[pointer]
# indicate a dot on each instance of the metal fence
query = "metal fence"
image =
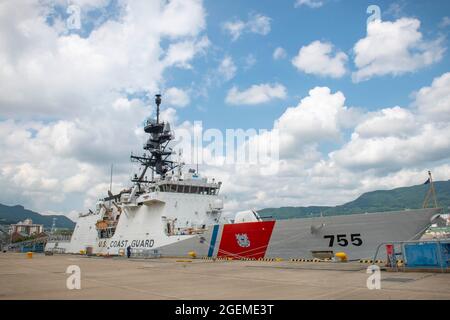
(436, 254)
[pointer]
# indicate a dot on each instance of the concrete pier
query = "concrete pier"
(44, 277)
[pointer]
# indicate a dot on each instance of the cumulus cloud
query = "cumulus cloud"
(80, 71)
(388, 122)
(389, 148)
(256, 94)
(279, 53)
(256, 23)
(301, 129)
(59, 139)
(394, 138)
(319, 58)
(434, 101)
(181, 53)
(315, 118)
(70, 99)
(176, 97)
(391, 153)
(394, 48)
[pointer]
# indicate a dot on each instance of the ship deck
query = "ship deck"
(44, 277)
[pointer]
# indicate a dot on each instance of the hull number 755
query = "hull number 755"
(343, 240)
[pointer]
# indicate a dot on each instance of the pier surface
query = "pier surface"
(44, 277)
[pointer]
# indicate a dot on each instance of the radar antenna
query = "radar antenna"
(158, 159)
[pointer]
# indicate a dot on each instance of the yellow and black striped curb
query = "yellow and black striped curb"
(399, 262)
(216, 258)
(310, 260)
(371, 261)
(243, 259)
(271, 259)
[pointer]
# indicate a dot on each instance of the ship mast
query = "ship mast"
(158, 159)
(431, 192)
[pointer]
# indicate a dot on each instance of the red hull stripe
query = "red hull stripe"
(245, 240)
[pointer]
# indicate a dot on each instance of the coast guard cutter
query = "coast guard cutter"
(175, 212)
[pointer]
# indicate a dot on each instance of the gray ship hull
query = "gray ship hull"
(358, 235)
(297, 238)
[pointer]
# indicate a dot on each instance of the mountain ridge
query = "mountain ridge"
(16, 213)
(379, 200)
(373, 201)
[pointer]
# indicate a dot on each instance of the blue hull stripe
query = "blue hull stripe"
(213, 240)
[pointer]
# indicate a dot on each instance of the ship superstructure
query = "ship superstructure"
(165, 203)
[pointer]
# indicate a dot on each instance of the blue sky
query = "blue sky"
(341, 22)
(355, 104)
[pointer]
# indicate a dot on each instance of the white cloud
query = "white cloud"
(90, 120)
(259, 24)
(169, 115)
(256, 23)
(389, 148)
(315, 118)
(309, 3)
(279, 53)
(320, 59)
(86, 4)
(181, 18)
(394, 48)
(81, 72)
(256, 94)
(84, 116)
(434, 101)
(388, 122)
(391, 153)
(176, 97)
(234, 28)
(227, 69)
(395, 138)
(80, 181)
(181, 53)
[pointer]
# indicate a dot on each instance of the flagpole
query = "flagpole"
(431, 192)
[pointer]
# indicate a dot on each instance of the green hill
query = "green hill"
(381, 200)
(14, 214)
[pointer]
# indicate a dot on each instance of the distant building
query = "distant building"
(27, 228)
(446, 217)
